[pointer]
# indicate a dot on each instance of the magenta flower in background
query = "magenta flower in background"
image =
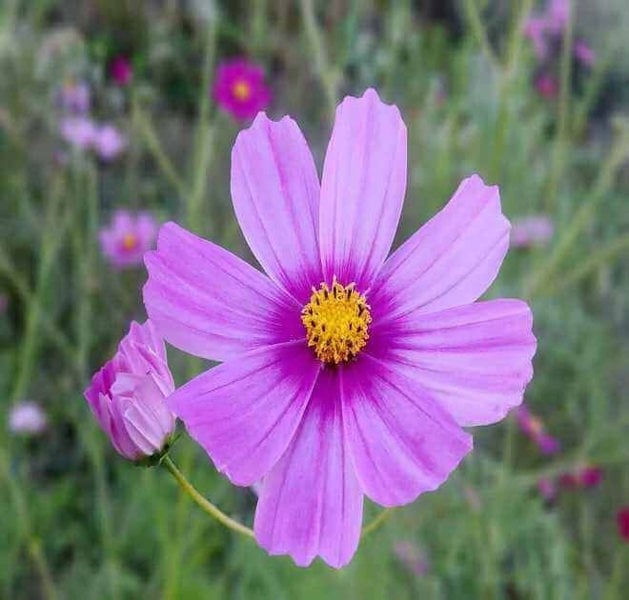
(108, 142)
(127, 396)
(412, 557)
(581, 476)
(345, 373)
(78, 131)
(547, 86)
(127, 238)
(74, 97)
(534, 429)
(547, 488)
(534, 230)
(120, 70)
(622, 519)
(584, 53)
(27, 418)
(240, 88)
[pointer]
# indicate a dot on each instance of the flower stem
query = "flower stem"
(221, 517)
(377, 521)
(203, 503)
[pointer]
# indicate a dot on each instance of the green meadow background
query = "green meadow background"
(77, 521)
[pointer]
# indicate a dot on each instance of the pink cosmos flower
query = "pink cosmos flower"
(240, 88)
(78, 131)
(121, 71)
(127, 238)
(74, 97)
(127, 395)
(27, 418)
(535, 230)
(535, 30)
(584, 53)
(533, 427)
(622, 519)
(582, 476)
(547, 86)
(345, 373)
(547, 488)
(108, 142)
(412, 557)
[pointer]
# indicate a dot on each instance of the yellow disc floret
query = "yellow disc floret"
(241, 90)
(337, 322)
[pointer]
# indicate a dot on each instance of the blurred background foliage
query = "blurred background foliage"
(79, 522)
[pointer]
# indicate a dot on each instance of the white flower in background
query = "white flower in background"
(27, 418)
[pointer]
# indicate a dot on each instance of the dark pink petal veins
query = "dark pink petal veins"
(475, 360)
(402, 442)
(363, 187)
(311, 503)
(245, 412)
(208, 302)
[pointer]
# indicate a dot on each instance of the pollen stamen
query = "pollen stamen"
(337, 322)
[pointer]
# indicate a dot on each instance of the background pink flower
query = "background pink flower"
(74, 97)
(584, 53)
(622, 518)
(78, 131)
(127, 396)
(127, 238)
(534, 230)
(120, 70)
(27, 418)
(344, 373)
(108, 142)
(240, 88)
(533, 427)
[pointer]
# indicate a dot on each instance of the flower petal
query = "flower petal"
(208, 302)
(402, 442)
(474, 360)
(363, 187)
(450, 261)
(245, 412)
(311, 503)
(275, 190)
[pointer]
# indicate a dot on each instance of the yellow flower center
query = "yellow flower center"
(129, 241)
(337, 322)
(241, 90)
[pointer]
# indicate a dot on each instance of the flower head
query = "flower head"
(120, 70)
(584, 54)
(108, 142)
(344, 373)
(78, 131)
(622, 518)
(27, 418)
(125, 240)
(581, 476)
(533, 427)
(547, 85)
(535, 230)
(240, 88)
(127, 396)
(547, 488)
(74, 97)
(412, 557)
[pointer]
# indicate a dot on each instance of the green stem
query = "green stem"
(203, 502)
(221, 517)
(325, 72)
(478, 30)
(376, 522)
